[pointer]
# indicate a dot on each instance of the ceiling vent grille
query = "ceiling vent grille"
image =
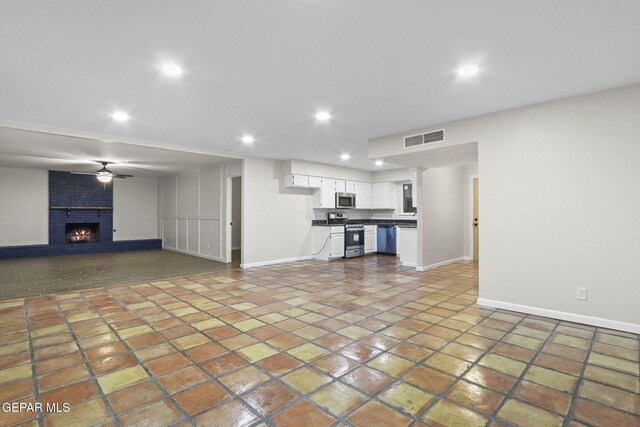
(422, 139)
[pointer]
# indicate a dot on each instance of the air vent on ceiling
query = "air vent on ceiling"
(425, 138)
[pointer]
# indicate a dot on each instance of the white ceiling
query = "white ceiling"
(40, 150)
(264, 67)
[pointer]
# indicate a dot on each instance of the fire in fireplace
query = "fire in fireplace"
(82, 232)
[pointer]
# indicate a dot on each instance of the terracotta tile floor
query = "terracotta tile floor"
(361, 342)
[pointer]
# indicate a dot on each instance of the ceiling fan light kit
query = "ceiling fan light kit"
(104, 175)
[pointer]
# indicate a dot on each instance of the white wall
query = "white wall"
(135, 208)
(442, 211)
(24, 207)
(236, 213)
(276, 220)
(193, 210)
(559, 205)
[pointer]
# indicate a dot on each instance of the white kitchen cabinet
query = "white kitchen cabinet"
(340, 186)
(350, 187)
(383, 195)
(325, 197)
(407, 245)
(337, 245)
(297, 181)
(370, 239)
(327, 242)
(363, 195)
(315, 182)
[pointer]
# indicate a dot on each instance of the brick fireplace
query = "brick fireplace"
(75, 200)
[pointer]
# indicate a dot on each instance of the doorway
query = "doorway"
(476, 223)
(236, 218)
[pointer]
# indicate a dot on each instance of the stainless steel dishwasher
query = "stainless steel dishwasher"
(386, 239)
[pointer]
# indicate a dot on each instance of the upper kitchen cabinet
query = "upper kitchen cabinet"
(340, 186)
(363, 195)
(383, 195)
(325, 197)
(350, 187)
(300, 181)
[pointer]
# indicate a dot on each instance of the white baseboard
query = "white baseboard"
(409, 264)
(562, 315)
(439, 264)
(211, 257)
(275, 261)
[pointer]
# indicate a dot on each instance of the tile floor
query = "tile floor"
(361, 342)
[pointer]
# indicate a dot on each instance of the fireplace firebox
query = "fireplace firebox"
(82, 232)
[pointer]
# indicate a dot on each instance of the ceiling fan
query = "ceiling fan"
(104, 175)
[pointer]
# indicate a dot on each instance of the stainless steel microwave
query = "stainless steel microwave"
(345, 200)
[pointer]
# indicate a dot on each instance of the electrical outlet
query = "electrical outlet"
(208, 245)
(581, 293)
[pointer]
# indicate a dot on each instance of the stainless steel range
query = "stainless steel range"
(353, 234)
(353, 240)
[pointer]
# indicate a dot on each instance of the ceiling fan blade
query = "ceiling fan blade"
(84, 173)
(123, 176)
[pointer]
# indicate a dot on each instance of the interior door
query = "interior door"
(476, 224)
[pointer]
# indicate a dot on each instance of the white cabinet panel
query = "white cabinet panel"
(327, 242)
(383, 195)
(407, 246)
(337, 245)
(341, 186)
(350, 187)
(315, 182)
(299, 181)
(326, 196)
(363, 195)
(369, 239)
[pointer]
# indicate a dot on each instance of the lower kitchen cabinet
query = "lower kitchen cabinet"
(369, 239)
(336, 245)
(327, 242)
(407, 244)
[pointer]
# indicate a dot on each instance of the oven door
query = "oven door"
(353, 242)
(345, 200)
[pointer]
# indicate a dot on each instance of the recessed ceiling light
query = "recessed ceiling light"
(323, 116)
(345, 156)
(248, 139)
(120, 116)
(379, 163)
(172, 70)
(468, 70)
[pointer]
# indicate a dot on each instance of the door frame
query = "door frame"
(470, 218)
(229, 214)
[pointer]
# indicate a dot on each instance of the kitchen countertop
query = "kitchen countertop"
(405, 223)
